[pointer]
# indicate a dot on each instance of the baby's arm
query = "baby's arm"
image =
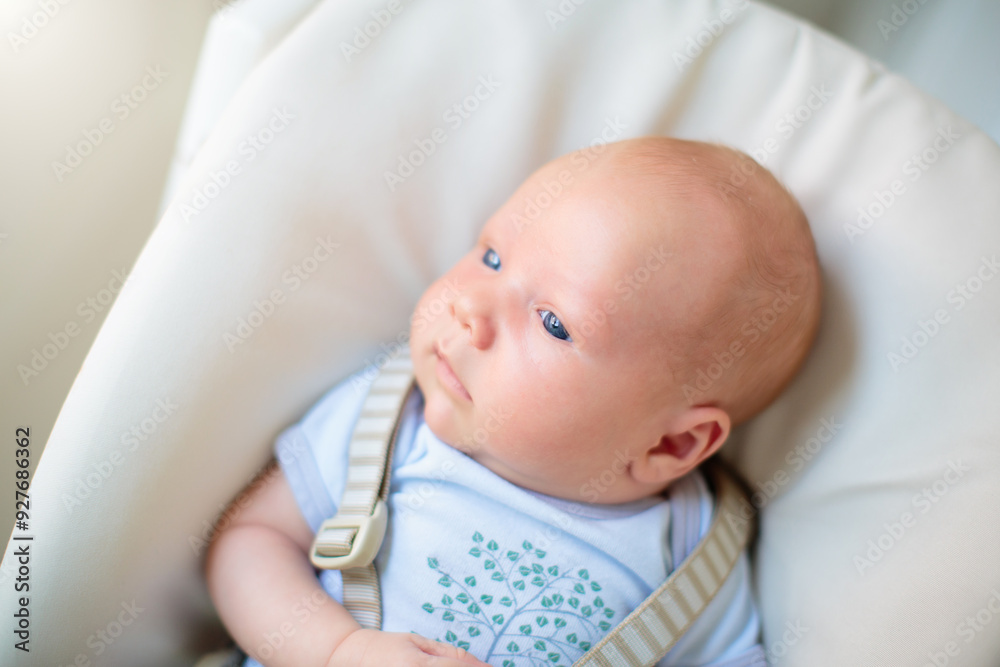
(264, 586)
(258, 571)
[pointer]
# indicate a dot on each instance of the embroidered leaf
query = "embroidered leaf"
(525, 629)
(509, 663)
(506, 601)
(571, 638)
(594, 586)
(473, 631)
(463, 598)
(492, 546)
(448, 616)
(556, 598)
(473, 608)
(598, 602)
(527, 545)
(475, 551)
(541, 621)
(539, 553)
(537, 568)
(519, 584)
(554, 657)
(579, 588)
(433, 563)
(586, 611)
(553, 570)
(574, 602)
(512, 555)
(450, 636)
(498, 619)
(464, 645)
(470, 581)
(446, 599)
(513, 647)
(604, 625)
(497, 576)
(540, 645)
(584, 574)
(477, 537)
(546, 601)
(489, 564)
(428, 607)
(585, 646)
(538, 581)
(525, 570)
(486, 598)
(445, 581)
(609, 612)
(559, 622)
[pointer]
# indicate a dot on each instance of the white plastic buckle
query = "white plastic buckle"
(371, 531)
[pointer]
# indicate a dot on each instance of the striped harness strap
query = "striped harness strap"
(350, 541)
(649, 632)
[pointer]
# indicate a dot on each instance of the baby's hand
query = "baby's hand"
(399, 649)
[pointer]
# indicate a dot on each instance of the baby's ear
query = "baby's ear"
(689, 439)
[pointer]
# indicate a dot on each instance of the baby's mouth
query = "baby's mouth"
(446, 375)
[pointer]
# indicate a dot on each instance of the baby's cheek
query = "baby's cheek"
(441, 420)
(429, 311)
(519, 432)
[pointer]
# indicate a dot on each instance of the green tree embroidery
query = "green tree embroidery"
(543, 614)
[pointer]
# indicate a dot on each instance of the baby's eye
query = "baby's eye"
(491, 259)
(553, 325)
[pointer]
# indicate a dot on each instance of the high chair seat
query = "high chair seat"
(360, 158)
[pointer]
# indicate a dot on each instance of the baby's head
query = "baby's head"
(619, 314)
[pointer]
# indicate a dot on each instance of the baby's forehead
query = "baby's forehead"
(642, 220)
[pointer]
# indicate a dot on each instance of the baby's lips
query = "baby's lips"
(447, 376)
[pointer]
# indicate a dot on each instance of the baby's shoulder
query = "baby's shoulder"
(691, 505)
(347, 395)
(329, 420)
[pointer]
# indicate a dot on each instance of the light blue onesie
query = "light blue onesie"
(516, 577)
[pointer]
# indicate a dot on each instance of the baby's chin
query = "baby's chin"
(441, 422)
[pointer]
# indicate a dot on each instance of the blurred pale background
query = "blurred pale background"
(62, 242)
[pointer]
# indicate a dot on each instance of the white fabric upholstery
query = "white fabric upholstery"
(239, 36)
(881, 434)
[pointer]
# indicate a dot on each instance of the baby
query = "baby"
(618, 315)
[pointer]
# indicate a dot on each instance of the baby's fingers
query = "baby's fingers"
(452, 656)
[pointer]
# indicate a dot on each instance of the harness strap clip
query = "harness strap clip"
(350, 540)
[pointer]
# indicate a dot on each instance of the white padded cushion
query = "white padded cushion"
(890, 430)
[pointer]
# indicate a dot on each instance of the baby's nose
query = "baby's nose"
(473, 313)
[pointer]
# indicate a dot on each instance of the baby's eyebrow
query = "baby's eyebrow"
(585, 321)
(487, 237)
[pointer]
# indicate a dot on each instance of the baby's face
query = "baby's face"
(545, 361)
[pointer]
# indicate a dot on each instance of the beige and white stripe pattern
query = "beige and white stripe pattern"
(649, 632)
(370, 456)
(362, 596)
